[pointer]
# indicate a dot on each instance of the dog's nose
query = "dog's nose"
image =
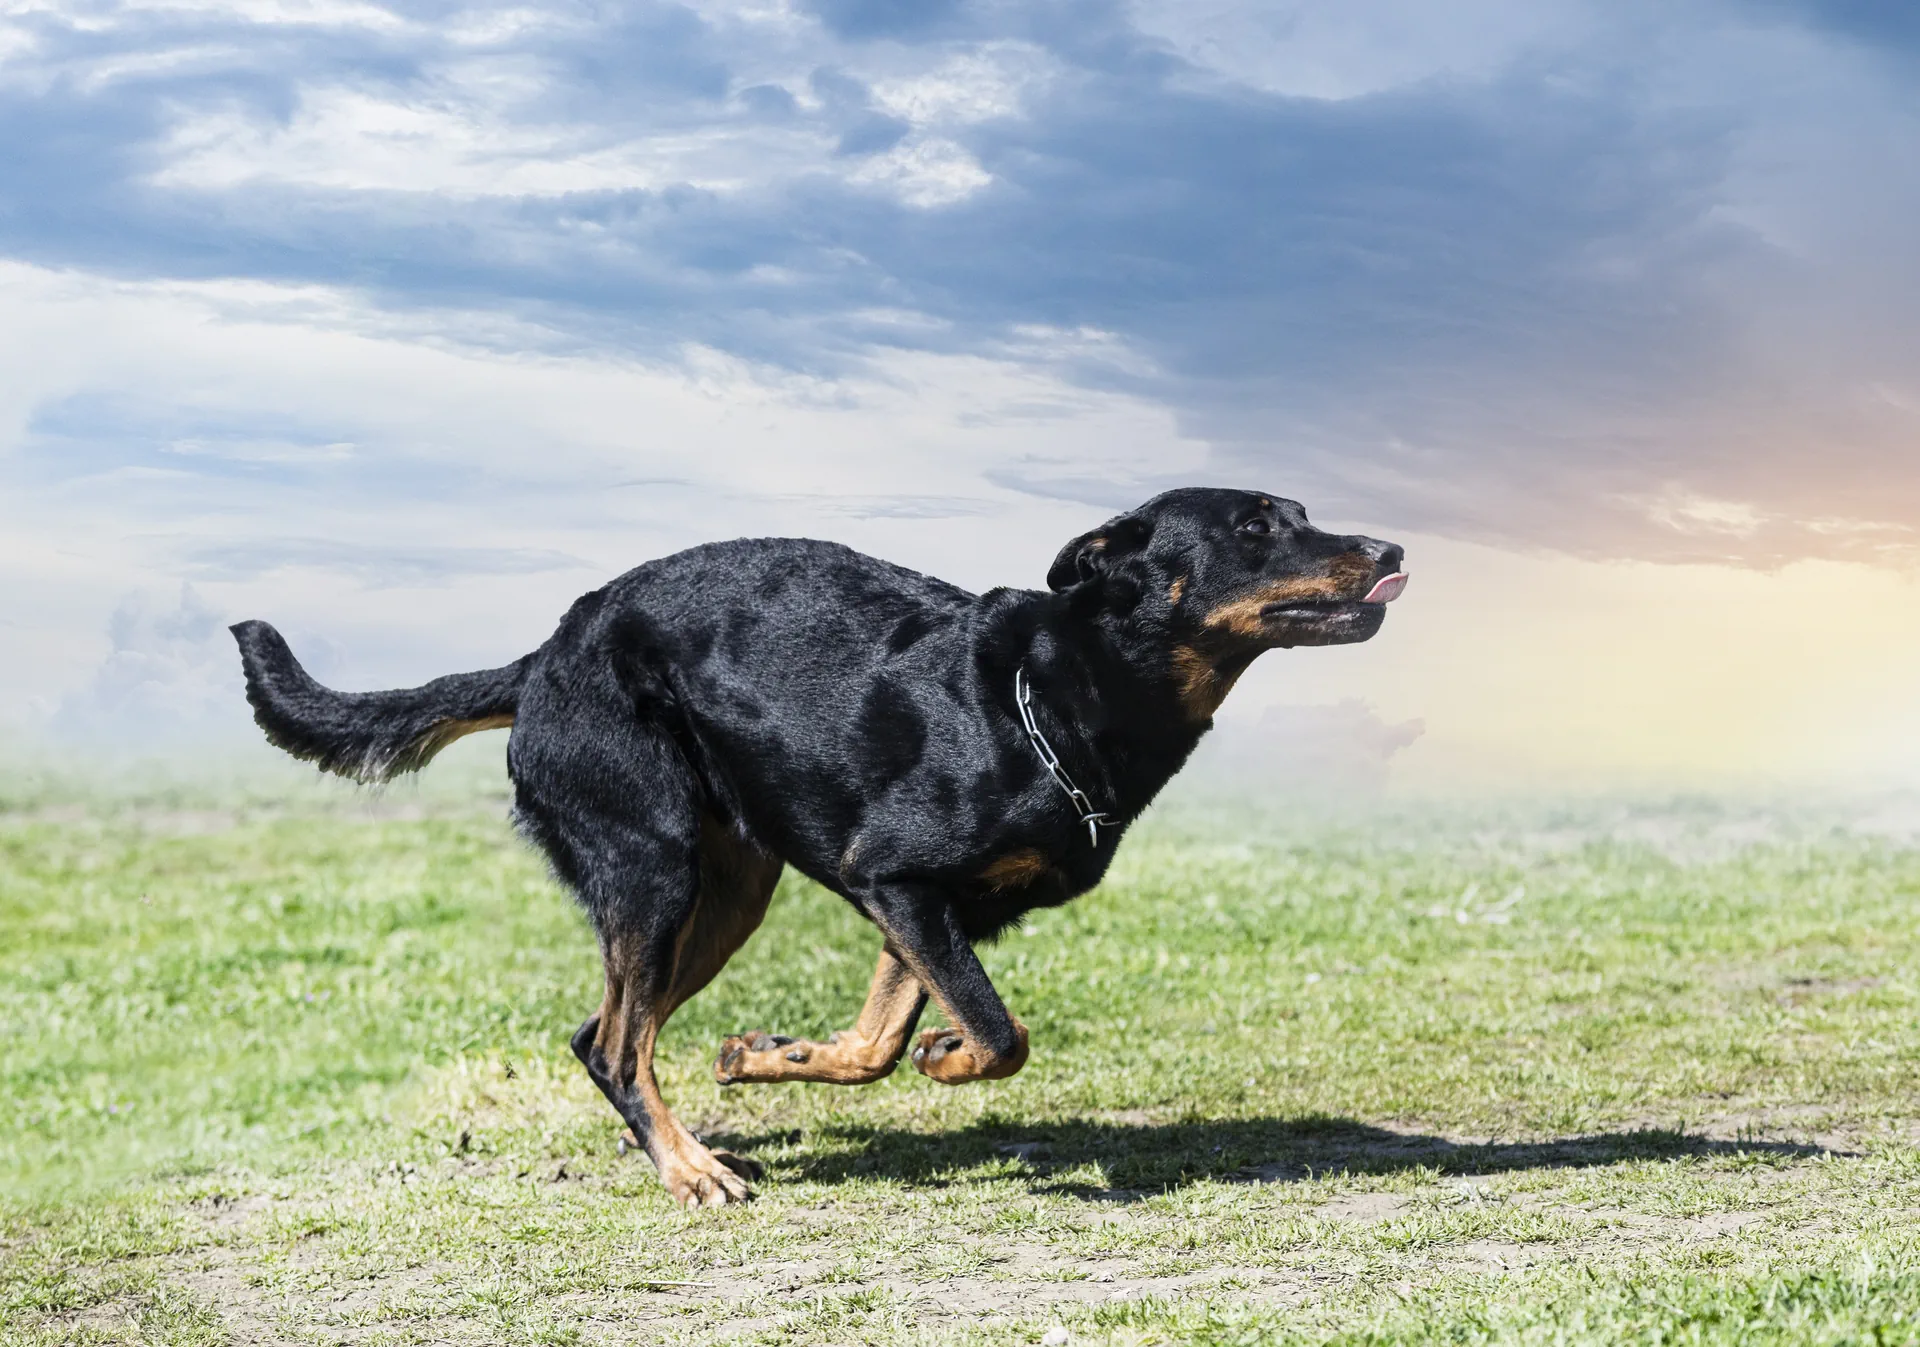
(1387, 557)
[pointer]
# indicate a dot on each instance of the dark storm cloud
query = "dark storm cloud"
(1519, 308)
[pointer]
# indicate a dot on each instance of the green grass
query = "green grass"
(298, 1072)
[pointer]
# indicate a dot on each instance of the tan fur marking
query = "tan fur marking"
(968, 1061)
(1200, 686)
(865, 1053)
(1178, 588)
(448, 730)
(629, 1027)
(1345, 575)
(1016, 869)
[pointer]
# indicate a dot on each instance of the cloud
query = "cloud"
(909, 507)
(1509, 277)
(900, 19)
(407, 324)
(1876, 25)
(170, 677)
(382, 566)
(430, 503)
(1327, 51)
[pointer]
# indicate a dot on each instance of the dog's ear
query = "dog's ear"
(1092, 555)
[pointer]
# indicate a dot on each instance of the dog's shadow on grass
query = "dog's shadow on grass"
(1136, 1160)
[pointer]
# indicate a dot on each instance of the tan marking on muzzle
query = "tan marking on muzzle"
(1347, 577)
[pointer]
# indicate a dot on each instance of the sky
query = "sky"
(400, 325)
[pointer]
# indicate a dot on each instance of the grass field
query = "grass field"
(298, 1073)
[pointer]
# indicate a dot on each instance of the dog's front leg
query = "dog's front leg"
(984, 1041)
(858, 1056)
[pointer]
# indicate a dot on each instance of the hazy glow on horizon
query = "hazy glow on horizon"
(403, 327)
(1566, 672)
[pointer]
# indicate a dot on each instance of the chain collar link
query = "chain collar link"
(1023, 699)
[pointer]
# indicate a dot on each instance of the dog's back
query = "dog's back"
(797, 677)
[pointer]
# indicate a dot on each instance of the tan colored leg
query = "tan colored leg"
(980, 1050)
(736, 884)
(695, 1176)
(952, 1058)
(857, 1056)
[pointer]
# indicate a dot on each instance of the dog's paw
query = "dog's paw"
(935, 1046)
(710, 1179)
(736, 1062)
(943, 1055)
(950, 1057)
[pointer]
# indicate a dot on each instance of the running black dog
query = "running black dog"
(944, 761)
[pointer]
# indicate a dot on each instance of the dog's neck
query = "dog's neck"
(1102, 678)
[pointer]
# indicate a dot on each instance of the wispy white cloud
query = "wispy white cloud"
(988, 81)
(444, 291)
(167, 680)
(428, 501)
(926, 172)
(1339, 51)
(1502, 273)
(379, 566)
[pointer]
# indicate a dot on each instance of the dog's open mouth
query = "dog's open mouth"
(1384, 591)
(1310, 608)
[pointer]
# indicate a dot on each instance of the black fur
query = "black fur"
(856, 720)
(368, 736)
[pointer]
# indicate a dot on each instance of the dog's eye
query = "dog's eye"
(1256, 526)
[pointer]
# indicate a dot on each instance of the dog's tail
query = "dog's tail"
(368, 736)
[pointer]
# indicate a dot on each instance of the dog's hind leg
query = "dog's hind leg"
(616, 1046)
(736, 884)
(646, 983)
(867, 1052)
(671, 895)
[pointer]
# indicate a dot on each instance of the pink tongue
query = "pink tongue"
(1387, 589)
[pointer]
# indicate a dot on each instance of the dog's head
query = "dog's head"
(1232, 573)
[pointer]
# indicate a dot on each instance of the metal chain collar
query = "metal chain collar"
(1023, 699)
